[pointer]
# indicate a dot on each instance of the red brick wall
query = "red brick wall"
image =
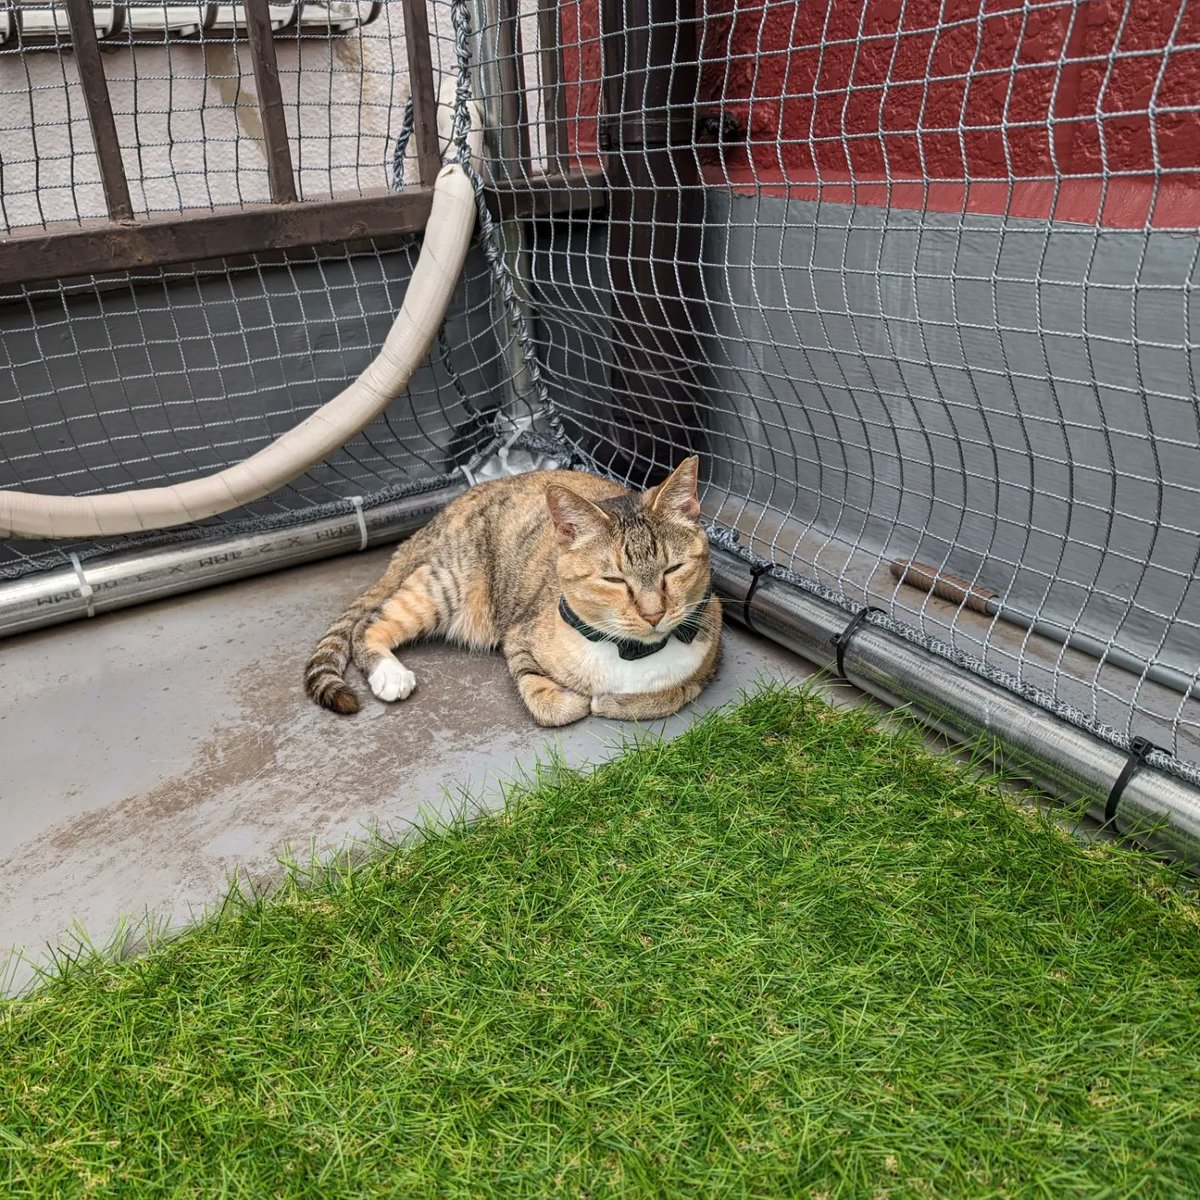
(958, 103)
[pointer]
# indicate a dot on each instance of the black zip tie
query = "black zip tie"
(1140, 749)
(841, 640)
(756, 573)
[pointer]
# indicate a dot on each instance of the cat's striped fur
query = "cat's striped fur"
(488, 572)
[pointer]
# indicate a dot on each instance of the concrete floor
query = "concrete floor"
(147, 756)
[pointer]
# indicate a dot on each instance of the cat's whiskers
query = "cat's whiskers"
(615, 628)
(690, 609)
(619, 630)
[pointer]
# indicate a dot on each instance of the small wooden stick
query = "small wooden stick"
(948, 587)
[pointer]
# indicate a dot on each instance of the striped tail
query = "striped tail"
(325, 675)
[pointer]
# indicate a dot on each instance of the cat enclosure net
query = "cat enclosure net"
(915, 278)
(938, 308)
(142, 378)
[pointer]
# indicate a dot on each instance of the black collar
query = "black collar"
(628, 648)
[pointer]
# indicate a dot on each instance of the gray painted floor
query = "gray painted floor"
(151, 754)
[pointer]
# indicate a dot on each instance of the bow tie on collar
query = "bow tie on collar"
(628, 648)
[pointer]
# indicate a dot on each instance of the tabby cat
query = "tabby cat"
(600, 599)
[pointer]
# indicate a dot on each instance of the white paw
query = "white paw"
(392, 680)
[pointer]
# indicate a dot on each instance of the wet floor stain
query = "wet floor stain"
(259, 770)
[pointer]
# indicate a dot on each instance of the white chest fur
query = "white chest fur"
(611, 675)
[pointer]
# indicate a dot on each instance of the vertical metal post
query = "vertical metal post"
(554, 114)
(270, 102)
(99, 109)
(514, 118)
(424, 93)
(647, 133)
(500, 87)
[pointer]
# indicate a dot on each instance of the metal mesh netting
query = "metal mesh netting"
(940, 309)
(149, 378)
(183, 98)
(915, 279)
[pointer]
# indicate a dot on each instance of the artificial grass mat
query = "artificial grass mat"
(787, 954)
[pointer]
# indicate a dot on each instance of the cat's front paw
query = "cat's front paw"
(619, 708)
(552, 705)
(564, 709)
(651, 706)
(392, 680)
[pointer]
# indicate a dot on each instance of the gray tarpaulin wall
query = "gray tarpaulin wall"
(940, 308)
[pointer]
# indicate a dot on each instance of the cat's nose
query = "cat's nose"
(651, 617)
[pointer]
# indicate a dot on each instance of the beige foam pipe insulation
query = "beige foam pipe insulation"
(443, 252)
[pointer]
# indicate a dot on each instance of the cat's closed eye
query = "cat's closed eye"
(612, 579)
(674, 567)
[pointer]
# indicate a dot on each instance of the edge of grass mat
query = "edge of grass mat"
(789, 952)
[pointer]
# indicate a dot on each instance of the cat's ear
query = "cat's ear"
(575, 519)
(676, 495)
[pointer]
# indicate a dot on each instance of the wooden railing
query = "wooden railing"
(127, 241)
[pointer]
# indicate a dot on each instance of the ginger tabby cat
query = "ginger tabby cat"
(599, 598)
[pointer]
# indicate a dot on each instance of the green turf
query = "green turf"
(786, 954)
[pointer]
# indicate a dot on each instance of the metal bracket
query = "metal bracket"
(617, 132)
(719, 127)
